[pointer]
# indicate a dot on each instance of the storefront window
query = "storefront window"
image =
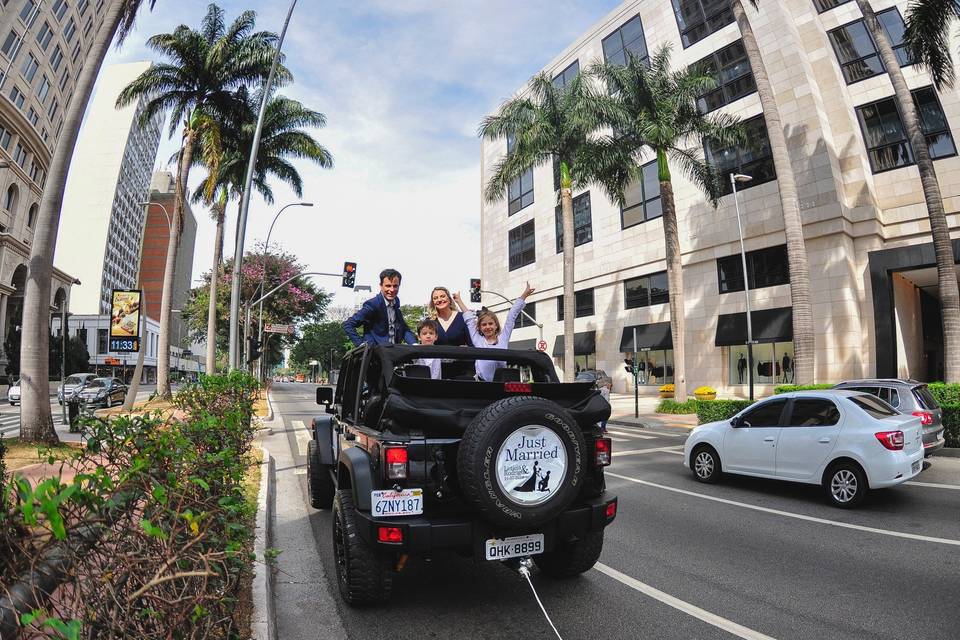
(655, 367)
(580, 362)
(772, 361)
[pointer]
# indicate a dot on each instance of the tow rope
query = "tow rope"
(524, 570)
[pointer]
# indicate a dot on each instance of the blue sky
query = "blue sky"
(404, 86)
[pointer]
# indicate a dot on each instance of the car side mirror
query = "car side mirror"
(735, 421)
(325, 395)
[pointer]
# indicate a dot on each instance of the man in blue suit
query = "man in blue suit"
(380, 316)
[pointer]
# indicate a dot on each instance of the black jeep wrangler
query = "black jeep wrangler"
(496, 470)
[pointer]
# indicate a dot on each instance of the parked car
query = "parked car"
(104, 391)
(909, 397)
(13, 393)
(74, 384)
(598, 376)
(846, 441)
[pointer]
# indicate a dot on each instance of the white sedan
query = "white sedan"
(848, 442)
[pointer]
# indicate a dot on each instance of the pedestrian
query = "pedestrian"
(380, 316)
(451, 328)
(427, 331)
(605, 394)
(486, 333)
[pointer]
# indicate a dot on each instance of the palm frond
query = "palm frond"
(927, 37)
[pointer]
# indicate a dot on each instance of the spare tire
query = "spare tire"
(521, 461)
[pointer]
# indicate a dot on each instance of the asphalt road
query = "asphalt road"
(745, 558)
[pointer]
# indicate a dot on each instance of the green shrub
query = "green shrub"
(787, 388)
(715, 410)
(951, 422)
(945, 393)
(673, 407)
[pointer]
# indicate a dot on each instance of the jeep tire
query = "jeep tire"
(319, 481)
(363, 576)
(571, 558)
(480, 462)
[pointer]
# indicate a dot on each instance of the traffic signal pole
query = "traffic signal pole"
(636, 381)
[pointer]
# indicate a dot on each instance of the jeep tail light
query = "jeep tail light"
(926, 418)
(603, 450)
(518, 387)
(892, 440)
(611, 510)
(396, 462)
(390, 535)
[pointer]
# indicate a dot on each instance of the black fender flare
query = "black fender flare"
(355, 463)
(322, 432)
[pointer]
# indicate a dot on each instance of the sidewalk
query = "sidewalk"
(623, 413)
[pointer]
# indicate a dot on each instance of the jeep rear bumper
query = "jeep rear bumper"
(466, 534)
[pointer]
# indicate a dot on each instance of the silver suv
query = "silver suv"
(73, 385)
(909, 397)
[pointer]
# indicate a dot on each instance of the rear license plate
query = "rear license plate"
(389, 503)
(915, 467)
(518, 546)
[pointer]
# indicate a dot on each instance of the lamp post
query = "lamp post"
(734, 179)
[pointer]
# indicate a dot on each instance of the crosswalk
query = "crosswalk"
(10, 422)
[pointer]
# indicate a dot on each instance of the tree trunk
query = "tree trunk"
(803, 338)
(134, 387)
(36, 419)
(214, 276)
(939, 229)
(169, 271)
(671, 240)
(569, 296)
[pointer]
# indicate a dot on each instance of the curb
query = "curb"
(270, 404)
(263, 620)
(946, 452)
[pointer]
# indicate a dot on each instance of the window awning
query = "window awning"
(769, 325)
(523, 344)
(649, 336)
(584, 343)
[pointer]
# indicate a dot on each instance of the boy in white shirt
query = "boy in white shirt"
(427, 334)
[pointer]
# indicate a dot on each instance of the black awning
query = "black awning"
(649, 336)
(523, 344)
(584, 343)
(769, 325)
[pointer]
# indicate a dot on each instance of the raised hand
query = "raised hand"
(527, 291)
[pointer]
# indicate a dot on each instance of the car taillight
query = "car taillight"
(390, 535)
(603, 449)
(926, 418)
(611, 511)
(518, 387)
(396, 462)
(892, 440)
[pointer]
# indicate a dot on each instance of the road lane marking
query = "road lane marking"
(955, 487)
(632, 435)
(303, 436)
(788, 514)
(619, 439)
(634, 452)
(680, 605)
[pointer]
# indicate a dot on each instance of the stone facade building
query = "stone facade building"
(867, 236)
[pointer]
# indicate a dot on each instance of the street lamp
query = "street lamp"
(734, 179)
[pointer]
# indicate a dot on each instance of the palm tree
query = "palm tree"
(548, 123)
(928, 39)
(655, 108)
(803, 339)
(282, 136)
(204, 70)
(36, 420)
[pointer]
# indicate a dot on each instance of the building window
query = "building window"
(29, 67)
(655, 367)
(520, 191)
(82, 6)
(857, 52)
(43, 90)
(52, 111)
(60, 8)
(29, 13)
(772, 363)
(33, 116)
(886, 138)
(628, 39)
(10, 201)
(102, 341)
(523, 320)
(581, 362)
(75, 55)
(5, 138)
(35, 172)
(56, 58)
(730, 69)
(11, 44)
(64, 79)
(582, 226)
(767, 267)
(19, 154)
(646, 290)
(697, 19)
(87, 27)
(44, 35)
(522, 246)
(70, 30)
(642, 198)
(583, 302)
(826, 5)
(753, 159)
(566, 76)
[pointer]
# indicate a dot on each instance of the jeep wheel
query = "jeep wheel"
(570, 559)
(363, 576)
(319, 482)
(522, 461)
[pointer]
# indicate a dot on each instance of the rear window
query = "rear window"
(925, 398)
(874, 406)
(73, 380)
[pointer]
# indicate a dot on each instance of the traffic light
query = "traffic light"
(629, 363)
(253, 349)
(474, 289)
(349, 274)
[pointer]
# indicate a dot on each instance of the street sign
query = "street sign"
(314, 363)
(542, 345)
(112, 361)
(278, 328)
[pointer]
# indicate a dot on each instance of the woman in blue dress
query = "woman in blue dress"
(451, 328)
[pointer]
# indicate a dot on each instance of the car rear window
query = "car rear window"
(874, 406)
(925, 398)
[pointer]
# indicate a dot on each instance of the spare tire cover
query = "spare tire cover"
(521, 461)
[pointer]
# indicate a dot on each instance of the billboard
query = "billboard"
(125, 310)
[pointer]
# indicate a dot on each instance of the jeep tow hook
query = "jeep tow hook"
(401, 562)
(523, 568)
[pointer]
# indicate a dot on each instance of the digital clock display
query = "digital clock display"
(125, 345)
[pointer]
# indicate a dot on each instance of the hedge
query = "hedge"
(945, 393)
(787, 388)
(673, 407)
(715, 410)
(951, 422)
